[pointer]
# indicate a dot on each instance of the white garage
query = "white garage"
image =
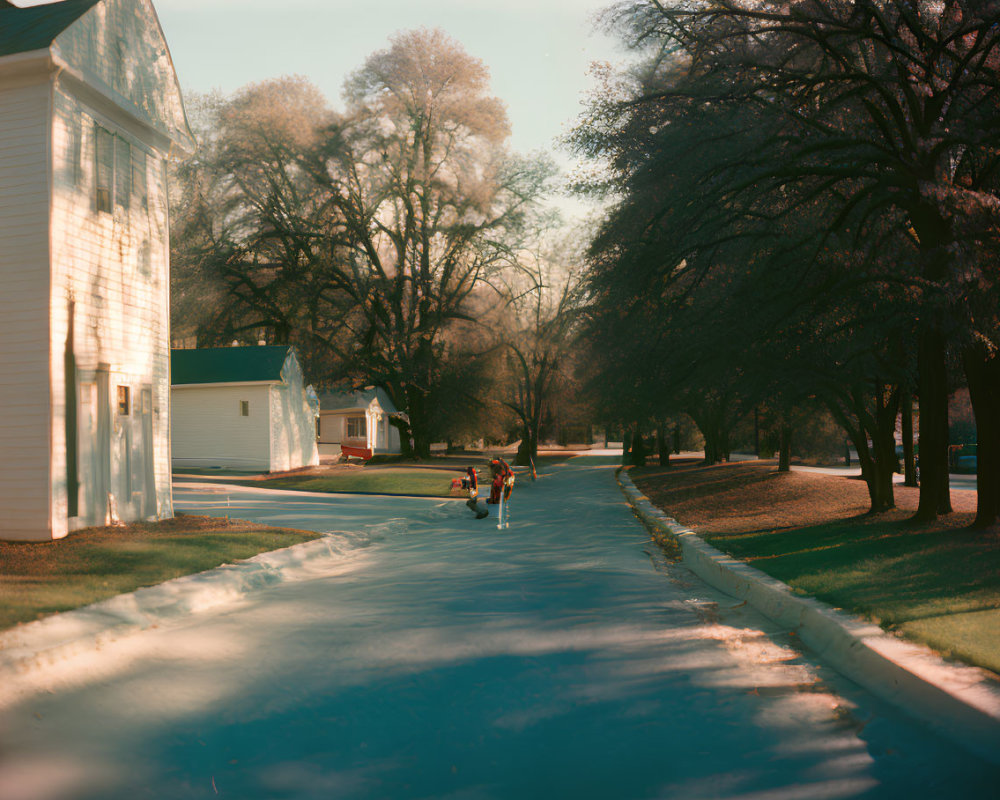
(241, 408)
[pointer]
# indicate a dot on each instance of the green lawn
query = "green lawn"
(411, 481)
(939, 586)
(41, 578)
(407, 480)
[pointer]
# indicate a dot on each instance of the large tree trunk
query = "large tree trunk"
(638, 456)
(662, 445)
(935, 492)
(983, 374)
(527, 450)
(884, 444)
(877, 459)
(756, 431)
(785, 449)
(909, 459)
(416, 407)
(711, 423)
(404, 436)
(934, 233)
(724, 445)
(523, 456)
(711, 446)
(868, 471)
(880, 493)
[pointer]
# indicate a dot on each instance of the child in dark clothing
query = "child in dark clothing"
(471, 483)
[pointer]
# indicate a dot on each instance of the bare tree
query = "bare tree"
(256, 240)
(432, 204)
(363, 237)
(539, 334)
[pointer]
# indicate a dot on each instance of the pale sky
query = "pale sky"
(538, 51)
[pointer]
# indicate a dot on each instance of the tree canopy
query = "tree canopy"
(799, 186)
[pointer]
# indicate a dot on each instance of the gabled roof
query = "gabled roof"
(228, 364)
(347, 400)
(113, 51)
(36, 27)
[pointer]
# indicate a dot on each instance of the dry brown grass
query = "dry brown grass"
(752, 496)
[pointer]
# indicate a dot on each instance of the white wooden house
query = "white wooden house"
(357, 421)
(242, 408)
(90, 109)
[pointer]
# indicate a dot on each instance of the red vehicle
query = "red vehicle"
(363, 453)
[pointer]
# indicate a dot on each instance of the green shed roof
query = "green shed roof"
(36, 27)
(227, 364)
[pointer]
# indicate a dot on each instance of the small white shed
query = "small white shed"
(242, 408)
(359, 421)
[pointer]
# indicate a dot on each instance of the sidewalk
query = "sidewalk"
(960, 701)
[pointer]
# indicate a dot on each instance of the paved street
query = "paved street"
(445, 659)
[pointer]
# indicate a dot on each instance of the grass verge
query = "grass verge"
(429, 478)
(937, 583)
(42, 578)
(411, 481)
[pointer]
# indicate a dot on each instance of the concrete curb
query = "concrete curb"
(961, 702)
(86, 629)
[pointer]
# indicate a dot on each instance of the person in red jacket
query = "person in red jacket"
(499, 469)
(501, 488)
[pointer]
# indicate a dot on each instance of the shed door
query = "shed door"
(121, 448)
(148, 478)
(102, 449)
(93, 493)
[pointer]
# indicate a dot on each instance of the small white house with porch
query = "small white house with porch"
(242, 408)
(90, 110)
(357, 423)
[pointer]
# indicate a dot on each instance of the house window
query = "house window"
(139, 178)
(124, 401)
(114, 170)
(123, 173)
(356, 428)
(105, 146)
(75, 152)
(145, 258)
(244, 408)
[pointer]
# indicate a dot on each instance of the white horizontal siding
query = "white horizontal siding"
(24, 317)
(207, 429)
(121, 310)
(331, 430)
(293, 421)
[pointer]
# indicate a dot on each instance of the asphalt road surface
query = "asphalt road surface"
(442, 658)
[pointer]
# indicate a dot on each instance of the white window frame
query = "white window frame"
(116, 190)
(357, 421)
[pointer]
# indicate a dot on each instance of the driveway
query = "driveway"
(563, 658)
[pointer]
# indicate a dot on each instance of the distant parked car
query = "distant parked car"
(964, 458)
(966, 464)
